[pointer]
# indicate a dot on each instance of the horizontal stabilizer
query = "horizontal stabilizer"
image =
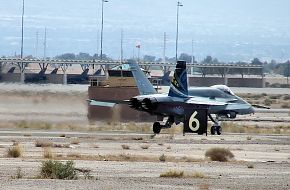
(107, 103)
(103, 104)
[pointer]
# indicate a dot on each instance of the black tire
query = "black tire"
(212, 130)
(218, 130)
(156, 127)
(233, 115)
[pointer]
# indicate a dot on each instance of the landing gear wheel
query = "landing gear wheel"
(156, 127)
(218, 130)
(212, 130)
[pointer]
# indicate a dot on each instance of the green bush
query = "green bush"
(58, 170)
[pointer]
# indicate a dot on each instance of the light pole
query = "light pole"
(22, 29)
(102, 28)
(22, 65)
(179, 4)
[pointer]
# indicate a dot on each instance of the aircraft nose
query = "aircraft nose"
(251, 109)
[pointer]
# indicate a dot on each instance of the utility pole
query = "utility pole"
(22, 29)
(98, 42)
(22, 65)
(36, 45)
(179, 4)
(191, 70)
(102, 27)
(288, 72)
(192, 49)
(138, 47)
(122, 36)
(164, 48)
(44, 44)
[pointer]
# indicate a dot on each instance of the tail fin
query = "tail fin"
(178, 87)
(143, 84)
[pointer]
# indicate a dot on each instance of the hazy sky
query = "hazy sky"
(226, 29)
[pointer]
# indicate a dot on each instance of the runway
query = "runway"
(57, 114)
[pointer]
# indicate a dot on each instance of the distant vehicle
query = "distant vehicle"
(191, 106)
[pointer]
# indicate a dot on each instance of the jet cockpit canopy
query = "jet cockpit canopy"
(224, 88)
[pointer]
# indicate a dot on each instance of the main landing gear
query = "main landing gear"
(157, 126)
(216, 128)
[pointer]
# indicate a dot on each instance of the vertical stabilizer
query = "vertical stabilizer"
(178, 87)
(144, 85)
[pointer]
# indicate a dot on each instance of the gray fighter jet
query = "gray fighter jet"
(191, 106)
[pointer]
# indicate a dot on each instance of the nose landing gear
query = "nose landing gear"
(216, 128)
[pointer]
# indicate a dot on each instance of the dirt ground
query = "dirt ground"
(261, 161)
(57, 115)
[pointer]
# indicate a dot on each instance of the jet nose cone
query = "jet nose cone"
(251, 109)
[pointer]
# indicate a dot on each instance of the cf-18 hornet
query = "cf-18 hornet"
(190, 106)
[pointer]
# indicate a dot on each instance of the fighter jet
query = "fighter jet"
(191, 106)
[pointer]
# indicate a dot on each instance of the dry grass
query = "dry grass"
(47, 153)
(96, 146)
(286, 97)
(251, 166)
(182, 174)
(61, 145)
(14, 151)
(173, 174)
(33, 125)
(219, 154)
(183, 159)
(232, 127)
(285, 105)
(75, 141)
(116, 126)
(162, 158)
(125, 147)
(43, 143)
(137, 138)
(197, 175)
(203, 187)
(145, 146)
(75, 155)
(18, 175)
(123, 158)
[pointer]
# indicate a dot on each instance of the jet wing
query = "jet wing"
(107, 103)
(205, 101)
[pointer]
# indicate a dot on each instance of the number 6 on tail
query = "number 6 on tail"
(193, 121)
